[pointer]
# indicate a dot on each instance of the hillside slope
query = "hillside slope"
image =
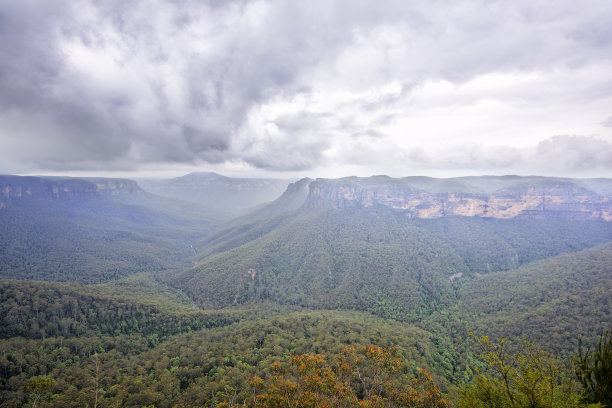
(372, 259)
(553, 301)
(136, 304)
(93, 230)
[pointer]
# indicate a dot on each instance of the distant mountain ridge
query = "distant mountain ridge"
(217, 191)
(54, 188)
(392, 247)
(512, 197)
(501, 197)
(93, 229)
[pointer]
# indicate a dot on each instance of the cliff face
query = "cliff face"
(15, 188)
(532, 200)
(115, 186)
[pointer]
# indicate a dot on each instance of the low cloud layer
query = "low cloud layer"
(285, 87)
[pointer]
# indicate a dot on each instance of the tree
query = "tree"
(369, 376)
(594, 370)
(529, 378)
(37, 387)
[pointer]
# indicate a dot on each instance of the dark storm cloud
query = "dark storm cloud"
(53, 108)
(91, 85)
(211, 96)
(30, 58)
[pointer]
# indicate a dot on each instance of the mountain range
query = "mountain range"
(191, 286)
(228, 194)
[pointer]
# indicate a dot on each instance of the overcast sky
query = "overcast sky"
(306, 88)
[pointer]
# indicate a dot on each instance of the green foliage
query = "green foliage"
(529, 378)
(594, 370)
(553, 301)
(374, 259)
(140, 339)
(200, 368)
(134, 305)
(96, 239)
(37, 387)
(366, 376)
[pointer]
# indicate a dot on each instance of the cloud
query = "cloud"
(565, 155)
(576, 153)
(288, 86)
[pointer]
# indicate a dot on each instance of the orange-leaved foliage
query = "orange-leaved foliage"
(369, 376)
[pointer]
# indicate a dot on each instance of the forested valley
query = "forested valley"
(375, 292)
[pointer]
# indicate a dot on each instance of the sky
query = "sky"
(318, 88)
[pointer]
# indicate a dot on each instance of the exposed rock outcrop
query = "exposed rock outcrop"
(116, 186)
(532, 199)
(15, 188)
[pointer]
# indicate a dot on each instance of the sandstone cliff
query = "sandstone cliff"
(115, 186)
(16, 188)
(529, 197)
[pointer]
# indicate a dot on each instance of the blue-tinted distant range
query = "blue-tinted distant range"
(318, 88)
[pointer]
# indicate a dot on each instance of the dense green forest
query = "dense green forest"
(39, 310)
(372, 260)
(98, 238)
(200, 368)
(550, 301)
(137, 301)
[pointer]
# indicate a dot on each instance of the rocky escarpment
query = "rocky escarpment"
(115, 186)
(294, 196)
(16, 188)
(531, 199)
